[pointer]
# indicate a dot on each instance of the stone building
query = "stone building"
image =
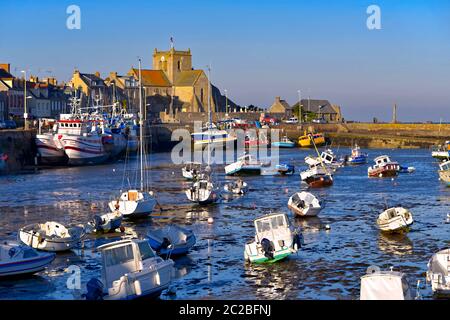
(323, 109)
(281, 108)
(93, 88)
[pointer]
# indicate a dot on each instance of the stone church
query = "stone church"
(174, 86)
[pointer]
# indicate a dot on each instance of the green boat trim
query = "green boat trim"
(282, 254)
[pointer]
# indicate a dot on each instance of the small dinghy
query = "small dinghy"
(395, 220)
(171, 240)
(285, 169)
(107, 222)
(438, 273)
(239, 187)
(51, 236)
(274, 240)
(130, 270)
(406, 169)
(17, 259)
(191, 170)
(384, 285)
(304, 204)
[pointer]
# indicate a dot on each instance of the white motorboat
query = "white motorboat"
(274, 240)
(191, 170)
(317, 176)
(107, 222)
(384, 285)
(130, 270)
(444, 172)
(304, 204)
(327, 157)
(171, 240)
(441, 152)
(18, 259)
(137, 203)
(236, 187)
(247, 164)
(438, 273)
(51, 236)
(395, 220)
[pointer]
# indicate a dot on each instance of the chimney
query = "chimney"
(6, 67)
(277, 99)
(112, 75)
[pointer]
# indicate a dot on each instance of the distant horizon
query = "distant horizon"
(258, 49)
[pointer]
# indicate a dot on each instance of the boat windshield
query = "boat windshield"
(117, 256)
(145, 250)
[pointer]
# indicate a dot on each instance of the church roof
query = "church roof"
(188, 78)
(152, 78)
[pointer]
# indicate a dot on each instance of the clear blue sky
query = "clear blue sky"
(258, 49)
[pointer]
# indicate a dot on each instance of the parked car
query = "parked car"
(292, 120)
(270, 120)
(7, 124)
(319, 121)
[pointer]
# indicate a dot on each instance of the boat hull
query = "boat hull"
(319, 181)
(307, 212)
(26, 267)
(283, 144)
(134, 209)
(262, 259)
(49, 151)
(84, 151)
(177, 250)
(45, 244)
(383, 173)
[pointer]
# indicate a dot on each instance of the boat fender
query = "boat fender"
(97, 222)
(12, 252)
(94, 289)
(267, 248)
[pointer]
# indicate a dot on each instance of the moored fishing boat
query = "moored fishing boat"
(306, 141)
(327, 157)
(384, 285)
(285, 169)
(317, 177)
(383, 168)
(274, 240)
(444, 172)
(395, 220)
(357, 157)
(18, 259)
(130, 270)
(304, 204)
(171, 240)
(438, 273)
(51, 236)
(284, 142)
(50, 149)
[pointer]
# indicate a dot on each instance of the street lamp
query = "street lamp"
(299, 106)
(25, 114)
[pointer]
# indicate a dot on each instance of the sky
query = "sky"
(258, 49)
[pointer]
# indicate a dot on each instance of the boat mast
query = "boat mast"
(141, 129)
(209, 114)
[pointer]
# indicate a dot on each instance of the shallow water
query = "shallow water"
(328, 267)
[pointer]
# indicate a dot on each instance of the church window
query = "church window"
(201, 95)
(179, 65)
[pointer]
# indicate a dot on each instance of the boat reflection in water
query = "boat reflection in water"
(395, 244)
(309, 225)
(272, 282)
(29, 286)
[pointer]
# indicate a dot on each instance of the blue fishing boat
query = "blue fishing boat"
(284, 143)
(357, 156)
(171, 240)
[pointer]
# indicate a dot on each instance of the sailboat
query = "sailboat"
(203, 191)
(135, 203)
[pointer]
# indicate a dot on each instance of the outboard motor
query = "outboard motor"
(94, 290)
(98, 221)
(298, 239)
(267, 248)
(165, 243)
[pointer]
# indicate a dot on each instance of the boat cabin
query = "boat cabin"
(274, 227)
(125, 257)
(382, 160)
(445, 166)
(327, 156)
